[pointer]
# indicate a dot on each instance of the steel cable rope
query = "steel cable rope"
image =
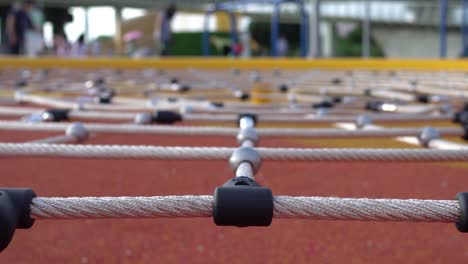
(317, 208)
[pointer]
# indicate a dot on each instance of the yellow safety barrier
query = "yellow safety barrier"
(226, 63)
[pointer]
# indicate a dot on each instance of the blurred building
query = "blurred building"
(390, 28)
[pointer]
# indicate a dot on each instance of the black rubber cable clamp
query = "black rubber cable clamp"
(56, 115)
(465, 132)
(21, 83)
(456, 117)
(423, 98)
(375, 106)
(461, 117)
(323, 104)
(15, 213)
(166, 117)
(462, 223)
(103, 98)
(244, 97)
(242, 202)
(337, 99)
(217, 104)
(185, 88)
(284, 88)
(368, 92)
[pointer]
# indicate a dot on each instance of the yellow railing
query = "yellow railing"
(226, 63)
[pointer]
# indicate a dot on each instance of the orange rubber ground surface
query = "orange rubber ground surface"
(199, 240)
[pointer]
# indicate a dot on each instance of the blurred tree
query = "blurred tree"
(190, 43)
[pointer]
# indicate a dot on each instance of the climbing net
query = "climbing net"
(358, 104)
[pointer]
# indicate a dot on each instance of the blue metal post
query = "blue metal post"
(233, 21)
(366, 34)
(305, 32)
(275, 16)
(464, 27)
(317, 36)
(206, 35)
(443, 28)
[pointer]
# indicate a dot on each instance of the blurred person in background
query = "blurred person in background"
(283, 46)
(131, 41)
(34, 40)
(163, 29)
(237, 49)
(18, 22)
(61, 46)
(79, 48)
(226, 47)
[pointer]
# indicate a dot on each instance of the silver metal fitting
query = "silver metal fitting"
(143, 118)
(446, 109)
(246, 122)
(248, 134)
(245, 154)
(175, 87)
(78, 131)
(362, 121)
(32, 118)
(255, 77)
(322, 112)
(292, 98)
(79, 106)
(428, 134)
(47, 116)
(186, 109)
(19, 95)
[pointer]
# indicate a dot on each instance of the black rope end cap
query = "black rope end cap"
(244, 96)
(368, 92)
(465, 132)
(336, 81)
(462, 223)
(14, 213)
(423, 98)
(56, 115)
(103, 98)
(323, 104)
(184, 88)
(166, 117)
(461, 117)
(22, 83)
(217, 104)
(242, 202)
(375, 106)
(99, 81)
(337, 99)
(456, 117)
(283, 88)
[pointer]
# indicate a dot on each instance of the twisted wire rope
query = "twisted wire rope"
(223, 153)
(317, 208)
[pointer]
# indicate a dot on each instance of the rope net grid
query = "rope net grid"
(284, 98)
